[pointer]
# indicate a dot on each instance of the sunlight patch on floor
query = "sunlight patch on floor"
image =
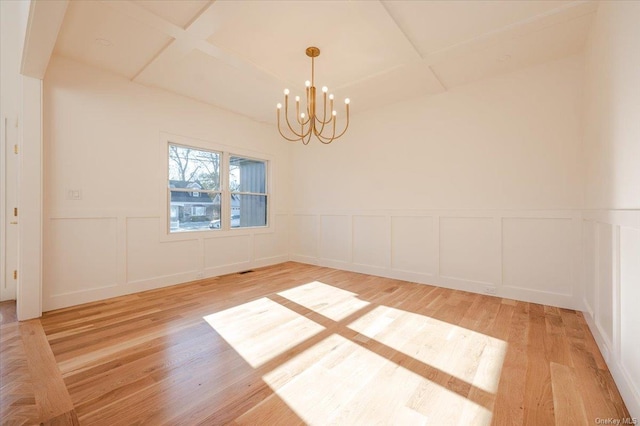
(340, 382)
(465, 354)
(400, 367)
(329, 301)
(262, 329)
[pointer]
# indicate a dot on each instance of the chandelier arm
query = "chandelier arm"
(330, 116)
(286, 113)
(324, 108)
(324, 121)
(324, 115)
(289, 139)
(283, 135)
(325, 139)
(319, 132)
(298, 119)
(310, 133)
(301, 135)
(347, 125)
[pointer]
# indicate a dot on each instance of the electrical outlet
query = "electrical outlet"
(490, 290)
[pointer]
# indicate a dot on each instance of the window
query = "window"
(210, 190)
(248, 188)
(194, 187)
(198, 210)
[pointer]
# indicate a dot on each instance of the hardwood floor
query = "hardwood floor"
(294, 344)
(32, 390)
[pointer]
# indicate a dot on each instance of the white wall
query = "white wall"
(510, 142)
(479, 188)
(103, 137)
(611, 226)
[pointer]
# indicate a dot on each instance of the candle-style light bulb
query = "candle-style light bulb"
(286, 91)
(346, 101)
(325, 89)
(307, 83)
(302, 115)
(331, 96)
(334, 113)
(297, 98)
(279, 106)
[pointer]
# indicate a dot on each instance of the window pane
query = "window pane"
(246, 175)
(193, 168)
(189, 213)
(248, 210)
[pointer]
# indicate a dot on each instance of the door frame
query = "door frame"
(10, 239)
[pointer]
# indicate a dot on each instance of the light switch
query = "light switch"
(74, 194)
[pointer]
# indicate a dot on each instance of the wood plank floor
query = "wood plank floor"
(295, 344)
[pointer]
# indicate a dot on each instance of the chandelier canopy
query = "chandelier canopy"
(308, 119)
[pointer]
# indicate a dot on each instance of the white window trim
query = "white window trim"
(225, 216)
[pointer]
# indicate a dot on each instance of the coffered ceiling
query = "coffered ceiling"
(240, 55)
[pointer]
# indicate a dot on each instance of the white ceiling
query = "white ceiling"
(240, 55)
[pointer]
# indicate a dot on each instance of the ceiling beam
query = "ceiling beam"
(43, 24)
(412, 43)
(184, 40)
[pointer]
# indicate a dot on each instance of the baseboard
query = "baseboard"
(79, 297)
(268, 261)
(453, 283)
(630, 394)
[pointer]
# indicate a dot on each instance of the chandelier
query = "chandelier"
(308, 119)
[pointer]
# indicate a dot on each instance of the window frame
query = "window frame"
(226, 152)
(190, 190)
(266, 188)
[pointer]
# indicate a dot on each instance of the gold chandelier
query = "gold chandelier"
(309, 121)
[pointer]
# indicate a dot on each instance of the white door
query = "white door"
(9, 163)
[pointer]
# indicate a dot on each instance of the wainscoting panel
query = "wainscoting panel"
(335, 237)
(84, 257)
(304, 235)
(148, 258)
(588, 265)
(274, 244)
(629, 297)
(467, 249)
(412, 244)
(459, 249)
(225, 251)
(371, 241)
(604, 308)
(615, 318)
(94, 258)
(538, 254)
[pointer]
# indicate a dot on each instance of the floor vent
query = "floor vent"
(245, 272)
